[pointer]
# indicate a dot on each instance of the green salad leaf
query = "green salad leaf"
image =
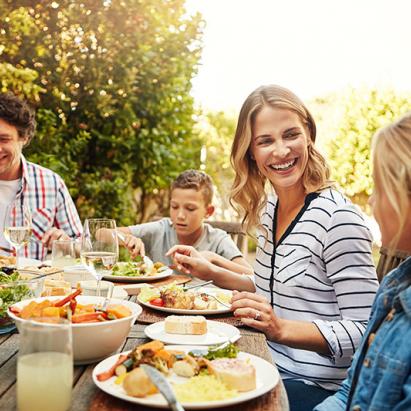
(11, 293)
(133, 268)
(229, 351)
(148, 294)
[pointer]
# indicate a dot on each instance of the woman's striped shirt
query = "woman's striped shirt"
(321, 271)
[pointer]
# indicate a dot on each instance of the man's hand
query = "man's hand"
(52, 235)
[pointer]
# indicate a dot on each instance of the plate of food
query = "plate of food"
(9, 262)
(191, 330)
(201, 378)
(141, 269)
(176, 299)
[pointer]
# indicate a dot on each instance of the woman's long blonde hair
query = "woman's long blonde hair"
(391, 159)
(248, 195)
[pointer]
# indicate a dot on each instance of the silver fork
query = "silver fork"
(103, 306)
(225, 343)
(204, 351)
(191, 287)
(217, 299)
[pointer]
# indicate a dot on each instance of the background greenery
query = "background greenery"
(111, 81)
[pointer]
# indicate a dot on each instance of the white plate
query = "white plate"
(217, 333)
(213, 291)
(138, 278)
(266, 373)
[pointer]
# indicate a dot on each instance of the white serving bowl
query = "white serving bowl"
(93, 342)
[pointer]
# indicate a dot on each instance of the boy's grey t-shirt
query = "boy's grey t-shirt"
(159, 236)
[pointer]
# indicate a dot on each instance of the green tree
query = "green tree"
(111, 80)
(217, 130)
(349, 125)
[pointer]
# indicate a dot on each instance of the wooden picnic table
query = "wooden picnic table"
(87, 397)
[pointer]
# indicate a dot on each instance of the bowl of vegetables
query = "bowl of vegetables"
(98, 329)
(14, 289)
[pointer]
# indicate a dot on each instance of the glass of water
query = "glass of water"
(44, 365)
(63, 253)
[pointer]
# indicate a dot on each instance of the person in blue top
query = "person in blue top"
(380, 375)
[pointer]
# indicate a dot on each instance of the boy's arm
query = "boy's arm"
(237, 264)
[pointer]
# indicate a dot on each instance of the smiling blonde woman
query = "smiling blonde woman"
(314, 275)
(314, 279)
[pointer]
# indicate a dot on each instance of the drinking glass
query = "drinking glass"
(99, 247)
(17, 225)
(63, 253)
(44, 365)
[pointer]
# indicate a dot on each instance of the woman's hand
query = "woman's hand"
(190, 261)
(255, 311)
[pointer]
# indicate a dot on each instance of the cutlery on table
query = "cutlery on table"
(190, 287)
(36, 274)
(163, 386)
(6, 250)
(218, 300)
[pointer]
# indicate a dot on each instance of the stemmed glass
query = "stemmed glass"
(99, 247)
(17, 226)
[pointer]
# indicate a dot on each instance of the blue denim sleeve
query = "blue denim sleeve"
(338, 401)
(405, 403)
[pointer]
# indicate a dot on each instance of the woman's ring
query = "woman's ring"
(257, 315)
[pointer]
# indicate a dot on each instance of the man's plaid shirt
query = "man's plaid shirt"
(50, 204)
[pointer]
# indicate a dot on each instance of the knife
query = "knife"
(163, 386)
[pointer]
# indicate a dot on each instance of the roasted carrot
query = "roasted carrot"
(86, 317)
(65, 300)
(73, 305)
(15, 310)
(109, 373)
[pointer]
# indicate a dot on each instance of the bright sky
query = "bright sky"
(310, 46)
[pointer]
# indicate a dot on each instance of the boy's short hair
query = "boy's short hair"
(19, 114)
(198, 180)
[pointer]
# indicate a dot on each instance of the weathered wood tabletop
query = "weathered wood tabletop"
(86, 396)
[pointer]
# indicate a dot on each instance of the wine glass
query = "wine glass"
(99, 247)
(17, 225)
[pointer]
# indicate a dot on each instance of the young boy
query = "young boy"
(190, 203)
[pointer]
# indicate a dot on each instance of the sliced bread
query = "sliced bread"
(186, 324)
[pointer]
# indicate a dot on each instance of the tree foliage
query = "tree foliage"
(112, 81)
(217, 130)
(357, 116)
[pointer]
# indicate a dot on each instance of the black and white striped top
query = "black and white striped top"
(320, 271)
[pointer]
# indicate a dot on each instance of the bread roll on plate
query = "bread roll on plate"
(235, 373)
(185, 324)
